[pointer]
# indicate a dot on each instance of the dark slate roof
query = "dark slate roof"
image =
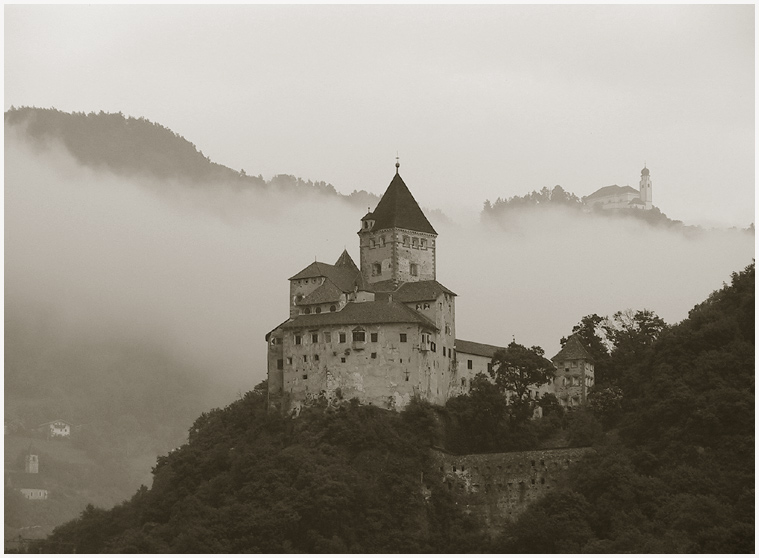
(398, 208)
(346, 261)
(573, 350)
(611, 190)
(362, 313)
(343, 277)
(327, 292)
(472, 348)
(412, 291)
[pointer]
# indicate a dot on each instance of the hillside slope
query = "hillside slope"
(675, 475)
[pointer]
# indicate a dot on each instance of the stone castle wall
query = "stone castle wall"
(494, 487)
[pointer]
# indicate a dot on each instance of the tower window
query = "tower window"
(342, 337)
(306, 310)
(423, 243)
(305, 376)
(377, 269)
(414, 269)
(374, 337)
(405, 241)
(342, 359)
(403, 337)
(289, 360)
(318, 309)
(332, 308)
(314, 338)
(372, 244)
(414, 242)
(382, 241)
(469, 364)
(374, 355)
(316, 358)
(298, 339)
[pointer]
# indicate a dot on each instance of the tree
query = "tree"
(515, 370)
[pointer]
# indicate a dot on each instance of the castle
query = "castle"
(621, 197)
(386, 332)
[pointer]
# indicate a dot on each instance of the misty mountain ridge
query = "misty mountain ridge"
(131, 147)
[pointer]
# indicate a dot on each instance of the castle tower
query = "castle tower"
(645, 188)
(575, 373)
(397, 241)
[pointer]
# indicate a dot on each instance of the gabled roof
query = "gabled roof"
(346, 261)
(412, 291)
(573, 350)
(344, 277)
(398, 208)
(327, 292)
(362, 313)
(611, 191)
(479, 349)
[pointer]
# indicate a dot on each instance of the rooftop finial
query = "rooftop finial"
(397, 163)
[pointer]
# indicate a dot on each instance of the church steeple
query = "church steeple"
(646, 187)
(397, 240)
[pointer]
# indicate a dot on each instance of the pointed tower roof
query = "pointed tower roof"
(345, 260)
(398, 208)
(573, 350)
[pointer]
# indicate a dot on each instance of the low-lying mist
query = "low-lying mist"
(202, 272)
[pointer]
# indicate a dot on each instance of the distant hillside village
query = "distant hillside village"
(384, 332)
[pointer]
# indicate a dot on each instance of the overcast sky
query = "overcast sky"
(480, 102)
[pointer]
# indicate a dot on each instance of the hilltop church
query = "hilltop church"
(385, 332)
(623, 197)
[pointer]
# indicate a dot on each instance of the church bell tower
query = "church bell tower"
(645, 188)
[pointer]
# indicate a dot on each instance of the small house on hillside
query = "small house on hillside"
(55, 429)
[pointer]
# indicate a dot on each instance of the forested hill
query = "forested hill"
(673, 469)
(136, 146)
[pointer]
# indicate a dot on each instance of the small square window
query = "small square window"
(342, 359)
(403, 338)
(374, 337)
(305, 376)
(374, 355)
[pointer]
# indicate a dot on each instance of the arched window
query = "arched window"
(318, 309)
(307, 310)
(405, 241)
(332, 308)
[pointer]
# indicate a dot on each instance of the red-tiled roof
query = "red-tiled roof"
(412, 291)
(398, 208)
(472, 348)
(611, 191)
(573, 350)
(362, 313)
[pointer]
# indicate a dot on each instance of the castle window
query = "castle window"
(305, 376)
(314, 338)
(414, 242)
(426, 306)
(280, 364)
(469, 364)
(342, 337)
(443, 350)
(374, 337)
(414, 270)
(332, 308)
(403, 337)
(377, 269)
(359, 336)
(382, 241)
(405, 241)
(298, 340)
(342, 359)
(328, 337)
(307, 310)
(433, 348)
(316, 358)
(318, 309)
(418, 306)
(407, 375)
(423, 244)
(305, 358)
(374, 355)
(490, 366)
(289, 360)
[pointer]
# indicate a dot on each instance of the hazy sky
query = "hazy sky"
(480, 101)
